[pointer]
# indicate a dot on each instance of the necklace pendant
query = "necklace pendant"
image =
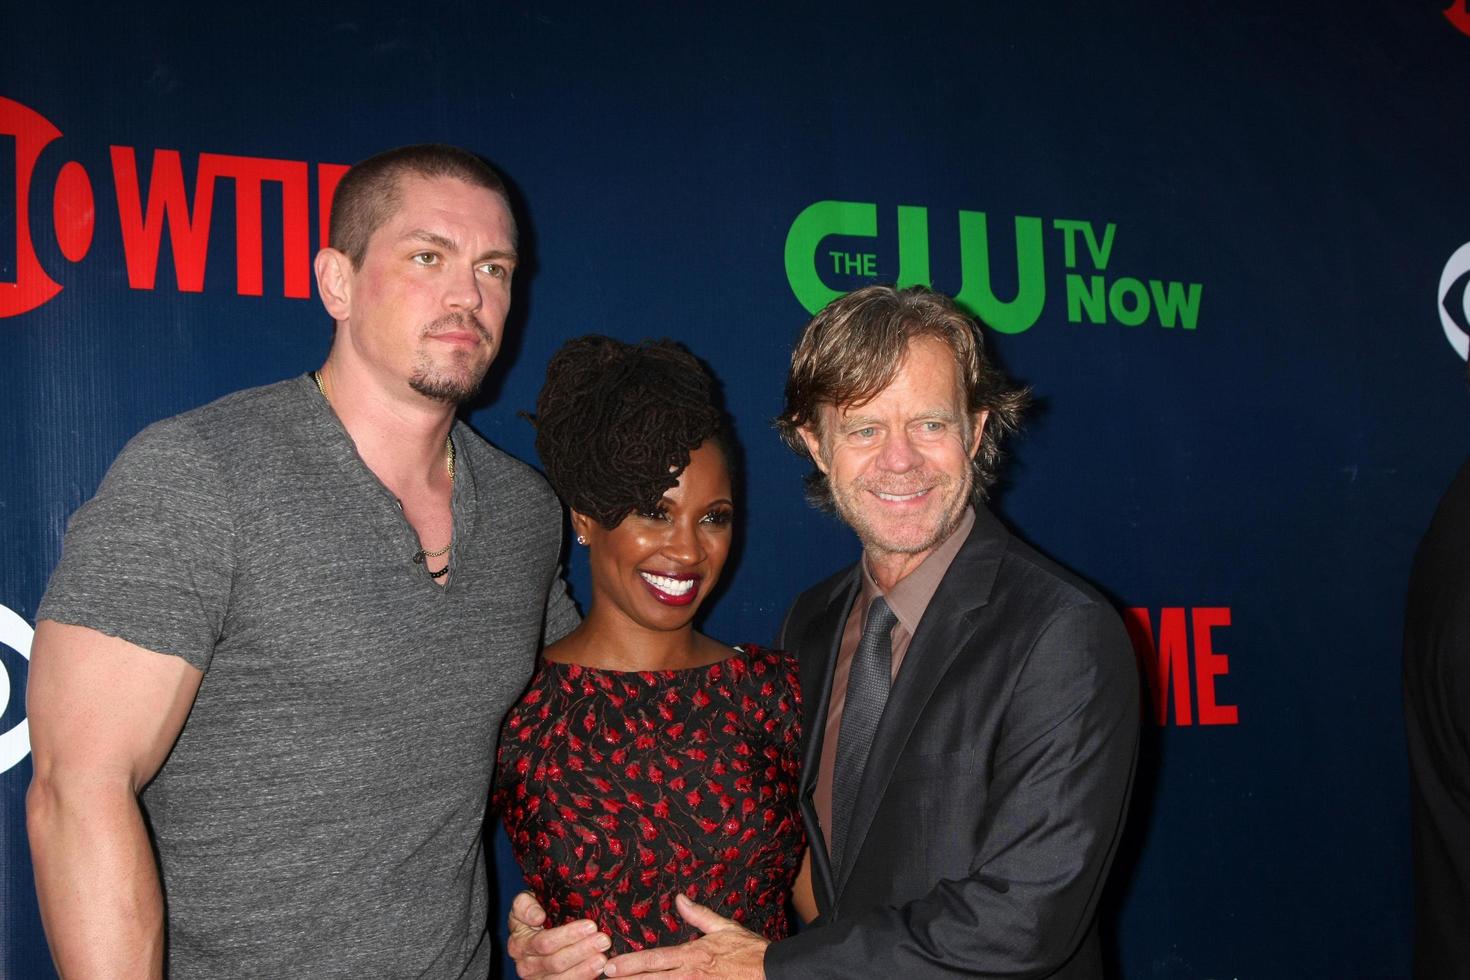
(419, 556)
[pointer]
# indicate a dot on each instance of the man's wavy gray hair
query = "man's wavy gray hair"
(853, 348)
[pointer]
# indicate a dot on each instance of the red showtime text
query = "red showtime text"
(171, 205)
(1167, 646)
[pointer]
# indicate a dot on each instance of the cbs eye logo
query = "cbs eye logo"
(1454, 300)
(15, 742)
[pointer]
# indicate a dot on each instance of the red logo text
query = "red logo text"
(1458, 13)
(1184, 638)
(172, 206)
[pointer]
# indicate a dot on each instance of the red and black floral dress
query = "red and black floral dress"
(621, 789)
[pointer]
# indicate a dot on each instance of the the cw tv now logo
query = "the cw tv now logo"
(841, 240)
(170, 205)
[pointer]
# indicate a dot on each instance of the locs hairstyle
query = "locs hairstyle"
(852, 349)
(616, 422)
(370, 192)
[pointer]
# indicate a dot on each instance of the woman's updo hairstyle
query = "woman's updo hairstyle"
(616, 422)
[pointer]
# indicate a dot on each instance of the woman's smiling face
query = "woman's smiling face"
(655, 569)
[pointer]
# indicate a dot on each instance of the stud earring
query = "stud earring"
(581, 539)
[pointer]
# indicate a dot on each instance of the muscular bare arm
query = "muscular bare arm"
(104, 714)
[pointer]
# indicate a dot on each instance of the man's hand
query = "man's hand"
(726, 950)
(568, 952)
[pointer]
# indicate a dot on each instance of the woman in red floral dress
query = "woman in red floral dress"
(646, 759)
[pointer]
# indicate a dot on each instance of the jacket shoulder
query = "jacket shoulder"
(810, 604)
(1026, 569)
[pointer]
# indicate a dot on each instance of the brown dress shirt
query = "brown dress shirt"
(908, 599)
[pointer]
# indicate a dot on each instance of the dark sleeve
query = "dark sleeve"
(1059, 789)
(150, 558)
(1436, 701)
(783, 637)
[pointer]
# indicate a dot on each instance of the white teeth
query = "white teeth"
(900, 496)
(669, 586)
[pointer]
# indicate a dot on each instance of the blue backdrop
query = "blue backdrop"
(1223, 244)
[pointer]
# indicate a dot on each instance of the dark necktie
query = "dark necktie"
(867, 691)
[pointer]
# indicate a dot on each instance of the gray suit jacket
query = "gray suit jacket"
(999, 777)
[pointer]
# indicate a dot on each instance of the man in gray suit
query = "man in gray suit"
(970, 708)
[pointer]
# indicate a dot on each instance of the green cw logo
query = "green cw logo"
(1092, 295)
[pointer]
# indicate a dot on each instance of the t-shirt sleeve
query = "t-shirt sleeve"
(561, 613)
(150, 558)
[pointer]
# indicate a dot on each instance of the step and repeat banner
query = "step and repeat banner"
(1227, 247)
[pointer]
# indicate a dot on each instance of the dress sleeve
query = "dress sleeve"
(151, 557)
(789, 676)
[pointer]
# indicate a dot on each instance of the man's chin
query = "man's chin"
(452, 379)
(895, 537)
(905, 544)
(450, 391)
(912, 535)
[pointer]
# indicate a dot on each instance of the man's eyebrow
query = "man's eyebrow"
(861, 419)
(506, 254)
(450, 245)
(431, 238)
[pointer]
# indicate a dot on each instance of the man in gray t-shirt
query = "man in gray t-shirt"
(282, 636)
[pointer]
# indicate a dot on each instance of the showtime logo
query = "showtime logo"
(1458, 13)
(168, 206)
(1184, 638)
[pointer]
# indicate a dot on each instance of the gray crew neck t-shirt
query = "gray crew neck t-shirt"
(321, 812)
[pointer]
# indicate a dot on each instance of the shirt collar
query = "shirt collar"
(910, 596)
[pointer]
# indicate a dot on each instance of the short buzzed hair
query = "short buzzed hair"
(369, 193)
(853, 348)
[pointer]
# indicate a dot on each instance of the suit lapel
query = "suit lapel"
(949, 621)
(816, 649)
